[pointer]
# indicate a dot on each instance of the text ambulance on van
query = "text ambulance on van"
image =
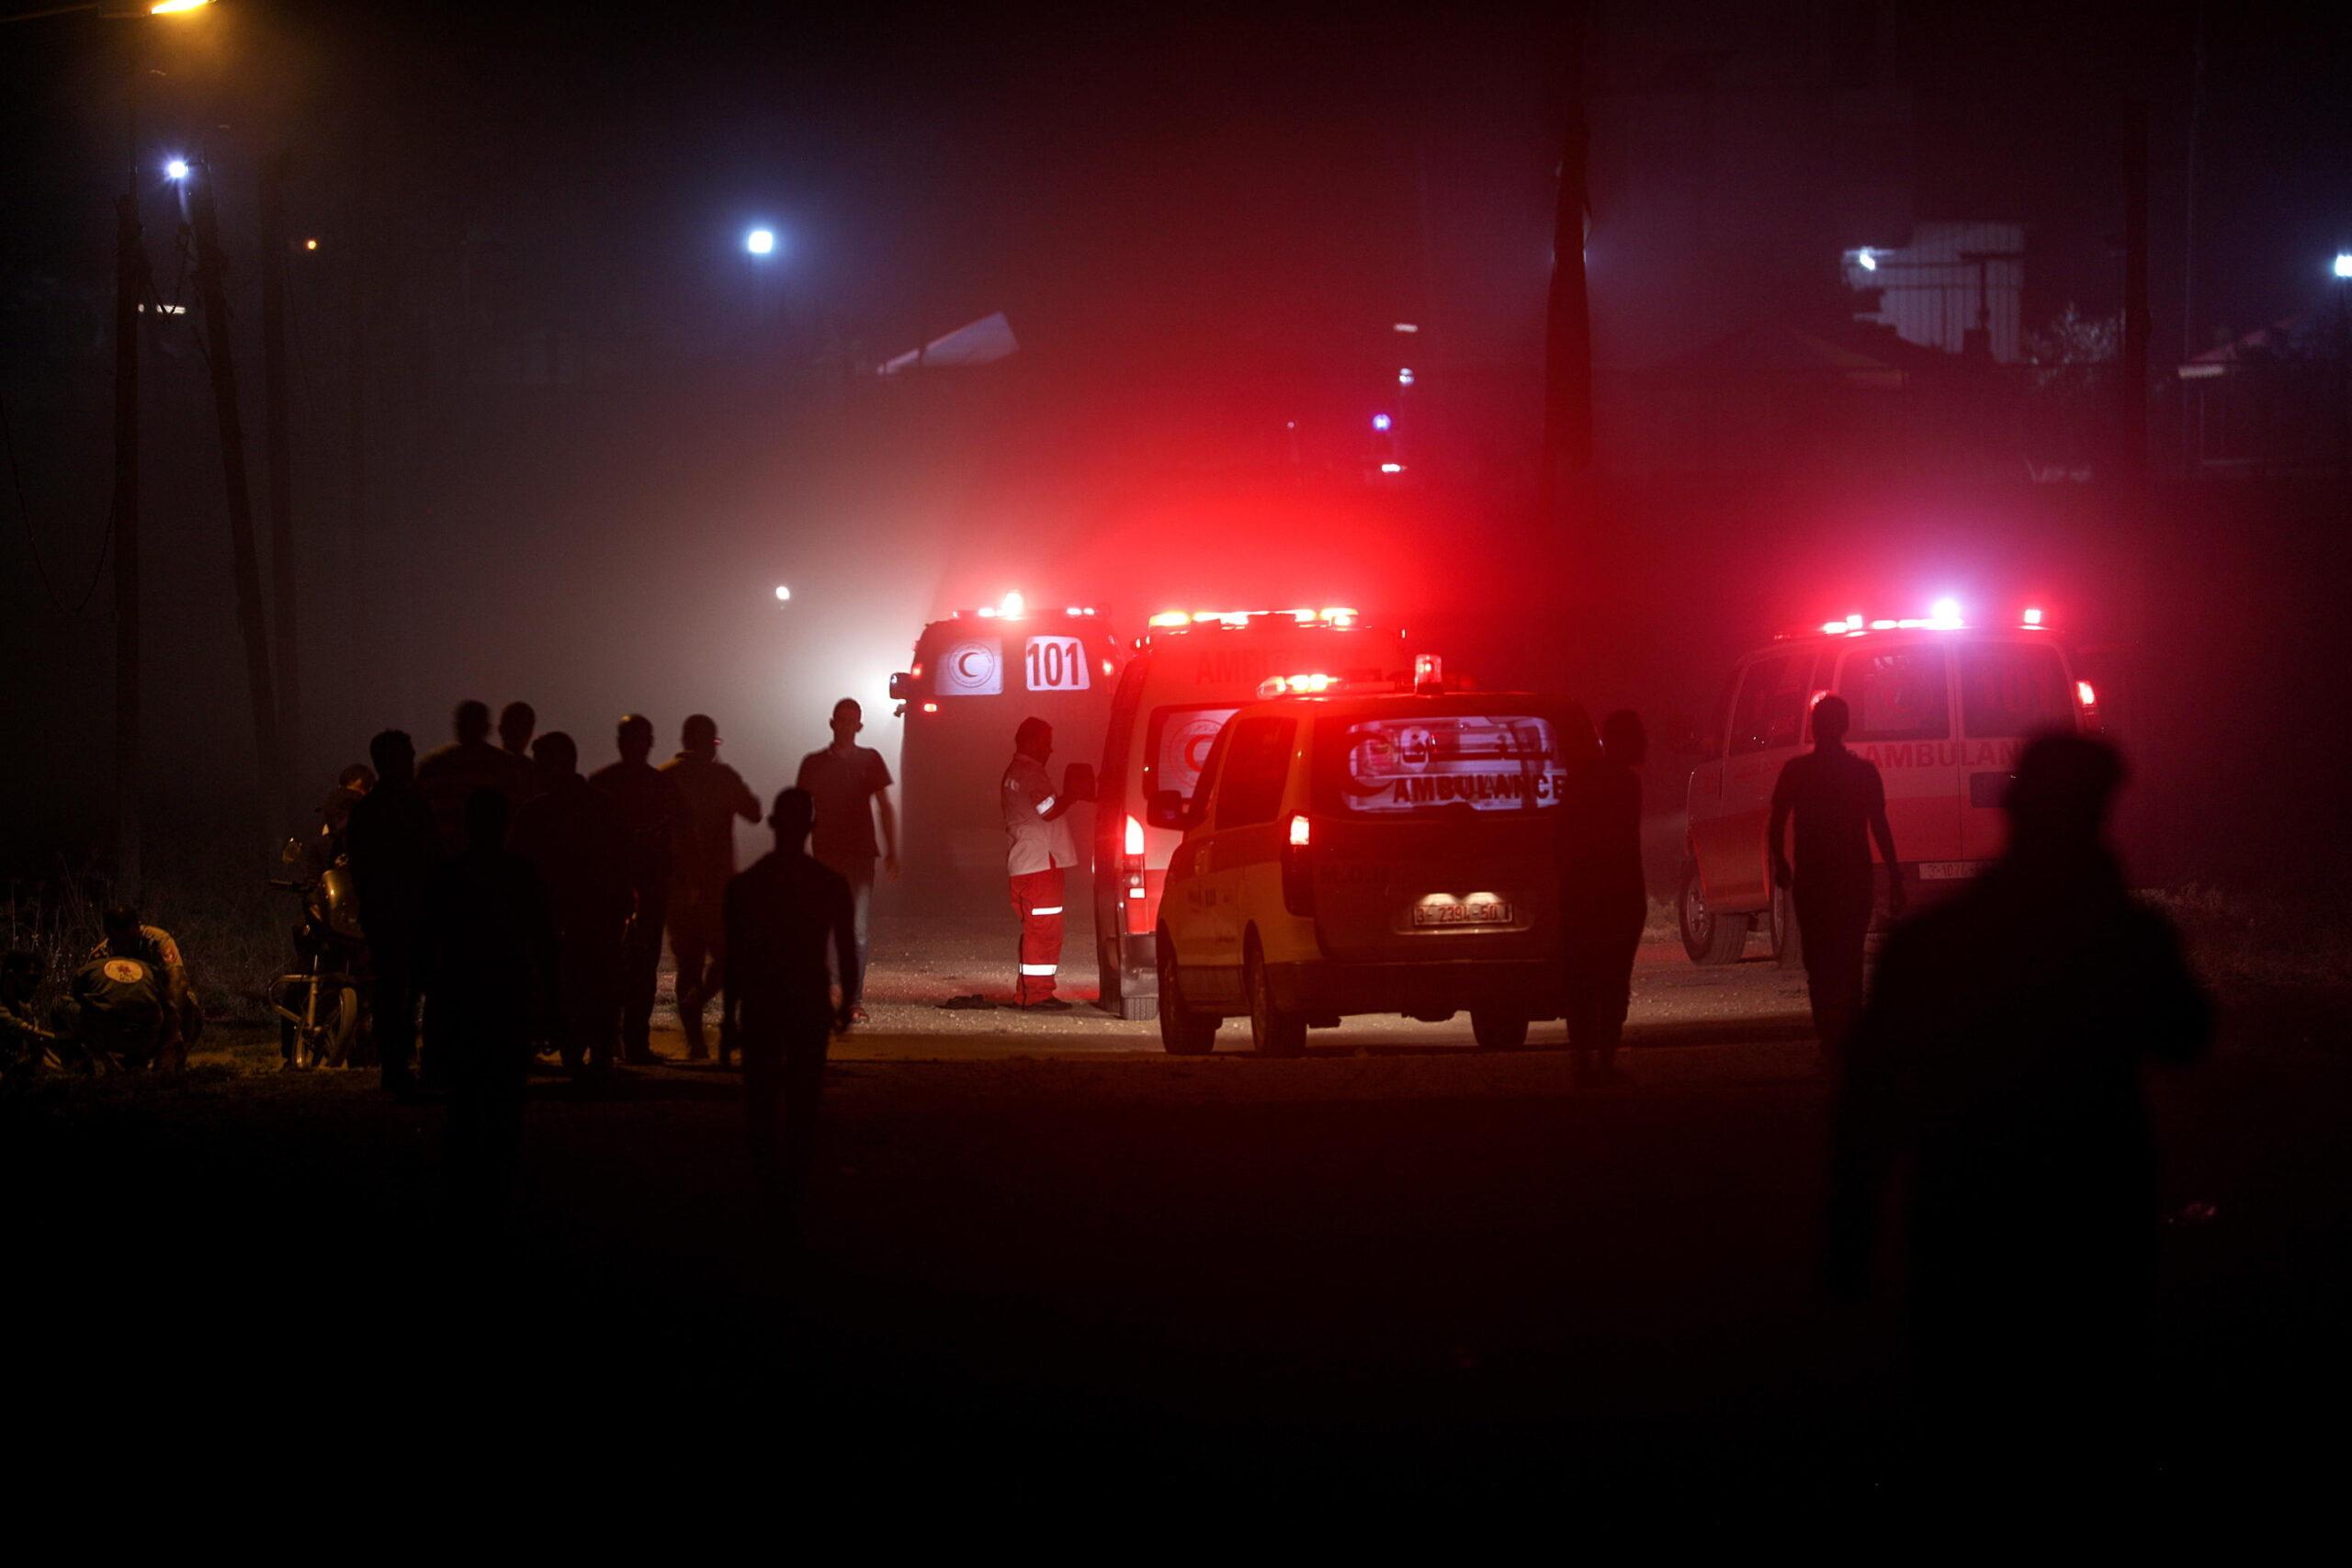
(1941, 706)
(1190, 674)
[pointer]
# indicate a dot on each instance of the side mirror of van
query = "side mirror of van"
(900, 687)
(1168, 810)
(1683, 737)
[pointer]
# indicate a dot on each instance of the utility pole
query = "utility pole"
(1567, 482)
(130, 291)
(277, 441)
(2136, 319)
(211, 270)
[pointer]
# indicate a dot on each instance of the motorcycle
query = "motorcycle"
(321, 1010)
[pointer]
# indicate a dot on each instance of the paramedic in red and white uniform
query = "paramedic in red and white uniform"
(1039, 849)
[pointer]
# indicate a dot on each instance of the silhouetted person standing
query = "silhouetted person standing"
(518, 721)
(1839, 803)
(850, 785)
(488, 972)
(392, 847)
(2000, 1058)
(780, 916)
(450, 775)
(710, 796)
(572, 834)
(1603, 903)
(649, 809)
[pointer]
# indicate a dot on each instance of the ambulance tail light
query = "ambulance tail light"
(1133, 843)
(1137, 894)
(1298, 868)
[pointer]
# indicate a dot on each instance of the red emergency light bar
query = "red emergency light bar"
(994, 613)
(1944, 617)
(1176, 620)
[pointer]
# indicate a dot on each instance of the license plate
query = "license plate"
(1949, 870)
(1489, 912)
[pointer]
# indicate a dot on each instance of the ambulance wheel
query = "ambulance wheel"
(1707, 937)
(1788, 941)
(1182, 1032)
(1499, 1031)
(1273, 1031)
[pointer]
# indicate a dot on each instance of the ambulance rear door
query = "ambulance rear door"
(2010, 688)
(1901, 692)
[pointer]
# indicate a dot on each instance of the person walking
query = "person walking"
(391, 843)
(710, 796)
(1839, 803)
(1039, 849)
(649, 809)
(1603, 903)
(783, 918)
(1999, 1057)
(850, 786)
(572, 834)
(490, 971)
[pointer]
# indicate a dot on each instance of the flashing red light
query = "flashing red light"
(1299, 833)
(2082, 690)
(1134, 841)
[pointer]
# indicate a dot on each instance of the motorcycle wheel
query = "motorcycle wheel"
(332, 1047)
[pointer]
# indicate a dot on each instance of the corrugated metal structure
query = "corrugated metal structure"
(1951, 281)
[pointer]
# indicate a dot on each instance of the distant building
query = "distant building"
(1955, 287)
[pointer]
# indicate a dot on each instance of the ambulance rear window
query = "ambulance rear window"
(2009, 689)
(969, 666)
(1179, 746)
(1456, 763)
(1897, 694)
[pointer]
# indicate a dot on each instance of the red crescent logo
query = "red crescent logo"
(964, 664)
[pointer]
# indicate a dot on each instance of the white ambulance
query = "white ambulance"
(1942, 705)
(1189, 675)
(974, 677)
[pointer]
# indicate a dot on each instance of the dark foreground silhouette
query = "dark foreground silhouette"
(1998, 1060)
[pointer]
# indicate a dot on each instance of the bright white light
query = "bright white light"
(1854, 622)
(2344, 264)
(1944, 613)
(1013, 604)
(783, 595)
(760, 241)
(1869, 262)
(176, 169)
(1405, 377)
(1380, 421)
(2033, 617)
(1392, 467)
(1407, 327)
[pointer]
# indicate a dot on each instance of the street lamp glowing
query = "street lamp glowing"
(176, 169)
(783, 595)
(310, 244)
(2344, 264)
(165, 7)
(760, 241)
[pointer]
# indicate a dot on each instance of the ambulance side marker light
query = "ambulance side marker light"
(931, 707)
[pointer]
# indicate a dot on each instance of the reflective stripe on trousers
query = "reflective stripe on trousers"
(1038, 900)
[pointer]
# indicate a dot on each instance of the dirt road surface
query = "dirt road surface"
(1037, 1245)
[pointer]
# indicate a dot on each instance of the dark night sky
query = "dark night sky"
(1195, 218)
